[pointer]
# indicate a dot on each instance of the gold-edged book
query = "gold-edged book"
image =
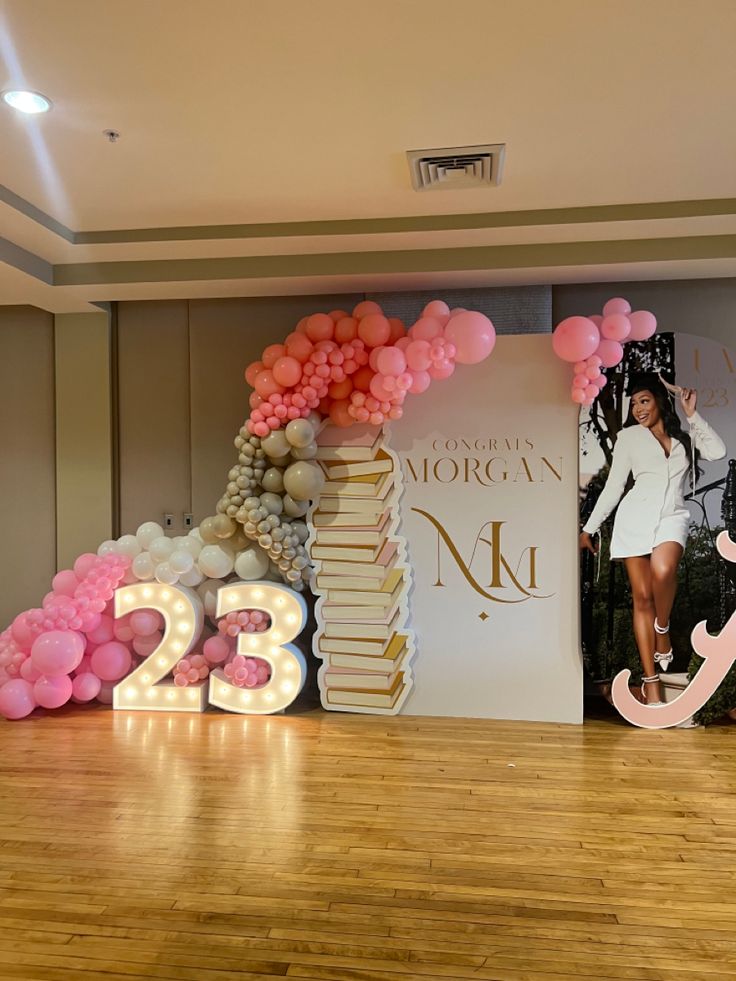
(376, 570)
(349, 519)
(329, 504)
(360, 443)
(368, 699)
(374, 485)
(359, 680)
(338, 470)
(357, 553)
(375, 632)
(386, 662)
(372, 597)
(371, 535)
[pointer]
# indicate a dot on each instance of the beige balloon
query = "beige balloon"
(224, 526)
(207, 531)
(308, 452)
(304, 480)
(276, 445)
(299, 432)
(273, 480)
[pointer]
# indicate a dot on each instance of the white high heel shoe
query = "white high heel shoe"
(663, 660)
(649, 681)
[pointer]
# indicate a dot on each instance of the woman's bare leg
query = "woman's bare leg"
(640, 577)
(664, 561)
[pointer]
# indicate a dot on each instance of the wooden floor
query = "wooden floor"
(347, 847)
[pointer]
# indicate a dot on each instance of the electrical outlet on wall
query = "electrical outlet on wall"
(188, 520)
(168, 521)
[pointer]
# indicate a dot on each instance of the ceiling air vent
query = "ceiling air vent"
(452, 168)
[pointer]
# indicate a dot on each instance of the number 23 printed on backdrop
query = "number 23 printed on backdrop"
(183, 616)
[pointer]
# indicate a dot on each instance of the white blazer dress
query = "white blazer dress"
(654, 510)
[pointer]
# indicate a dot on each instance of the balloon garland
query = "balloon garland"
(596, 342)
(337, 367)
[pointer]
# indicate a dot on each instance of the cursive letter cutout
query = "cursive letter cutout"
(719, 653)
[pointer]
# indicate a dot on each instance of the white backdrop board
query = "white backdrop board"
(489, 512)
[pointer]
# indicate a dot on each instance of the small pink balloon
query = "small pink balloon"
(28, 672)
(144, 622)
(52, 693)
(417, 355)
(616, 305)
(575, 339)
(403, 343)
(21, 632)
(425, 329)
(378, 390)
(601, 381)
(580, 366)
(104, 632)
(473, 336)
(57, 652)
(437, 309)
(123, 631)
(580, 381)
(590, 392)
(17, 699)
(616, 327)
(643, 325)
(592, 362)
(592, 373)
(391, 361)
(578, 395)
(442, 370)
(610, 353)
(421, 380)
(111, 661)
(84, 565)
(65, 583)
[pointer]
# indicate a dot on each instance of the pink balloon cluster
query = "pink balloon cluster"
(244, 621)
(596, 342)
(247, 672)
(360, 368)
(45, 653)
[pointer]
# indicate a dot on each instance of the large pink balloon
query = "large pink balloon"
(265, 384)
(57, 652)
(84, 564)
(17, 699)
(143, 623)
(52, 693)
(616, 305)
(643, 325)
(610, 353)
(374, 330)
(616, 327)
(378, 390)
(391, 361)
(287, 371)
(575, 339)
(473, 335)
(111, 661)
(64, 583)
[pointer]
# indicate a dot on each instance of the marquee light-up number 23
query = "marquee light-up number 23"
(183, 619)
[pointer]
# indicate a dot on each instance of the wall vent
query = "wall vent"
(452, 168)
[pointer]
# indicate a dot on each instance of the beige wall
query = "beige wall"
(697, 306)
(83, 434)
(27, 458)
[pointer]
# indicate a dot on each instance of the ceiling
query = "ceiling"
(262, 146)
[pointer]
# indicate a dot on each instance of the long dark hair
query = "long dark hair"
(649, 382)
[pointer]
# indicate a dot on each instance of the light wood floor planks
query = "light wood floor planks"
(350, 848)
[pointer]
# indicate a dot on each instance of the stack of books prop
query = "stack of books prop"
(361, 577)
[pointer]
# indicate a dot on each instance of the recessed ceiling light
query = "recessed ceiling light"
(28, 102)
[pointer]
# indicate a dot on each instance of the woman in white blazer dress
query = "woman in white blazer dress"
(651, 525)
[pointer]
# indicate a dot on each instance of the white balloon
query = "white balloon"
(129, 545)
(161, 548)
(181, 561)
(108, 548)
(147, 532)
(215, 561)
(208, 594)
(252, 563)
(191, 545)
(192, 578)
(196, 535)
(143, 567)
(165, 574)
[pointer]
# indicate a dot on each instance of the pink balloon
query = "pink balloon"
(52, 693)
(643, 325)
(473, 335)
(64, 583)
(104, 632)
(84, 564)
(601, 381)
(287, 372)
(28, 672)
(123, 631)
(320, 327)
(592, 362)
(590, 392)
(374, 330)
(437, 309)
(378, 390)
(580, 381)
(366, 307)
(592, 373)
(403, 343)
(578, 395)
(420, 383)
(105, 693)
(265, 384)
(216, 650)
(616, 327)
(373, 358)
(391, 361)
(580, 366)
(610, 353)
(144, 622)
(596, 318)
(57, 652)
(616, 305)
(111, 661)
(417, 355)
(86, 686)
(17, 699)
(144, 646)
(21, 632)
(425, 329)
(575, 339)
